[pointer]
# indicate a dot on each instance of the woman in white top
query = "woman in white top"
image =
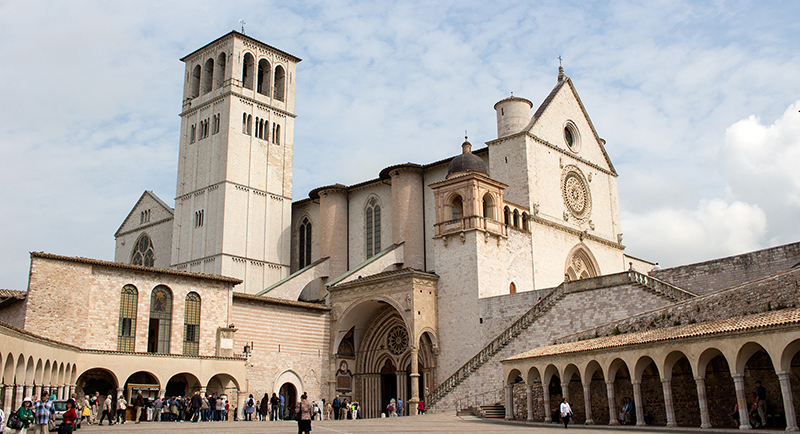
(566, 412)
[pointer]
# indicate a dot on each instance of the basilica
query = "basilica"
(461, 283)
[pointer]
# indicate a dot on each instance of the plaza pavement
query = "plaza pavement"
(431, 423)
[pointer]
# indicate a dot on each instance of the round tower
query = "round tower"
(513, 114)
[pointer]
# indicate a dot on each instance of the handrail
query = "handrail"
(657, 285)
(497, 344)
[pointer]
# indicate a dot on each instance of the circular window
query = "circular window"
(397, 341)
(571, 136)
(575, 192)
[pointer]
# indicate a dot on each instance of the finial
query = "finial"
(466, 147)
(465, 135)
(512, 94)
(243, 24)
(559, 60)
(561, 75)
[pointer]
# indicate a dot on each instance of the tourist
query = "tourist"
(157, 409)
(138, 403)
(86, 411)
(69, 418)
(761, 403)
(197, 404)
(2, 421)
(421, 407)
(275, 404)
(107, 414)
(304, 420)
(25, 414)
(399, 407)
(328, 409)
(337, 405)
(264, 407)
(122, 406)
(43, 412)
(566, 412)
(212, 407)
(219, 408)
(282, 404)
(250, 408)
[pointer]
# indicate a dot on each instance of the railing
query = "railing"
(659, 286)
(497, 344)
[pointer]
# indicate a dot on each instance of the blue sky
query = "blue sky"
(698, 102)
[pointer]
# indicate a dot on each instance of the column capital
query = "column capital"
(737, 376)
(666, 380)
(636, 383)
(529, 387)
(783, 374)
(700, 378)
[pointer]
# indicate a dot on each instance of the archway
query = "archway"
(184, 384)
(652, 392)
(720, 389)
(758, 366)
(598, 393)
(289, 393)
(685, 401)
(97, 380)
(581, 264)
(388, 383)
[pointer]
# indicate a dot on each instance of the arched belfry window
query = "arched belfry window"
(160, 330)
(264, 72)
(507, 216)
(196, 82)
(457, 208)
(208, 76)
(372, 219)
(304, 244)
(219, 74)
(280, 83)
(191, 325)
(143, 253)
(247, 70)
(126, 335)
(516, 219)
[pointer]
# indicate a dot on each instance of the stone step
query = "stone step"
(493, 411)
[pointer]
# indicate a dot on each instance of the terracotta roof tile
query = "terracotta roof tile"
(741, 323)
(8, 293)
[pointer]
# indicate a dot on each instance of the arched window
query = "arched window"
(373, 226)
(208, 76)
(276, 138)
(143, 253)
(160, 330)
(244, 123)
(512, 289)
(126, 336)
(262, 86)
(580, 264)
(516, 219)
(507, 216)
(196, 82)
(220, 72)
(249, 125)
(304, 253)
(525, 223)
(280, 83)
(258, 127)
(191, 325)
(488, 206)
(457, 207)
(247, 71)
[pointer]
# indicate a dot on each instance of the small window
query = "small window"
(516, 219)
(279, 83)
(457, 208)
(572, 137)
(512, 288)
(198, 218)
(247, 71)
(507, 216)
(196, 82)
(192, 133)
(304, 253)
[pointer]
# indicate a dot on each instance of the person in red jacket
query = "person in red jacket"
(70, 416)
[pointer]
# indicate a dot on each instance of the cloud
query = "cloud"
(716, 228)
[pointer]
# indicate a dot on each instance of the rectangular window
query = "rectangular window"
(198, 218)
(192, 133)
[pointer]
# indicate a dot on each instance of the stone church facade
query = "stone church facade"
(414, 284)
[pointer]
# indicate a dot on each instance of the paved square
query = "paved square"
(438, 423)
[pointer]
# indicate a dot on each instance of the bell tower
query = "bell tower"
(233, 195)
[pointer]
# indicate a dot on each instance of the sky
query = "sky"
(699, 103)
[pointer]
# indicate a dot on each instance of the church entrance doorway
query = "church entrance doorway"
(289, 393)
(388, 384)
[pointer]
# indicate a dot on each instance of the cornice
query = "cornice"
(217, 184)
(576, 232)
(221, 96)
(145, 226)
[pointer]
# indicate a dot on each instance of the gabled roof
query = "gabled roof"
(150, 194)
(566, 81)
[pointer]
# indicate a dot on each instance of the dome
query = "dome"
(466, 161)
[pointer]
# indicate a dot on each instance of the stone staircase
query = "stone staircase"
(646, 283)
(495, 411)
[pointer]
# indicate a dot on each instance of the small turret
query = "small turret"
(513, 114)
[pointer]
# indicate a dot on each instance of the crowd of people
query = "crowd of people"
(198, 408)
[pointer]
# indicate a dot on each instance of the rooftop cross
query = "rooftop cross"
(243, 23)
(559, 60)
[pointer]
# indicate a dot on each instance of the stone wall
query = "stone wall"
(769, 293)
(285, 337)
(498, 313)
(606, 298)
(13, 313)
(710, 276)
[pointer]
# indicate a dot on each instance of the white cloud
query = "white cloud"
(714, 229)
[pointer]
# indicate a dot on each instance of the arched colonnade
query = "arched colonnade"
(673, 382)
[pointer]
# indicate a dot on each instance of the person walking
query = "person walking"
(106, 412)
(138, 404)
(421, 407)
(761, 403)
(250, 408)
(337, 404)
(122, 406)
(304, 417)
(43, 412)
(264, 409)
(25, 414)
(94, 407)
(566, 412)
(197, 403)
(399, 406)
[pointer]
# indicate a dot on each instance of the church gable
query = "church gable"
(563, 122)
(149, 209)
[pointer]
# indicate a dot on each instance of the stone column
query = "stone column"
(202, 391)
(19, 395)
(669, 404)
(27, 389)
(529, 399)
(702, 400)
(788, 404)
(565, 390)
(71, 390)
(37, 390)
(8, 395)
(741, 399)
(509, 402)
(546, 390)
(412, 402)
(612, 404)
(587, 402)
(60, 393)
(637, 401)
